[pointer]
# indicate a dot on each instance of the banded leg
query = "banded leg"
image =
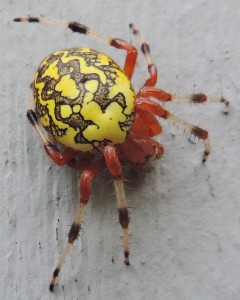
(85, 190)
(161, 95)
(60, 158)
(82, 29)
(115, 168)
(152, 69)
(148, 89)
(192, 129)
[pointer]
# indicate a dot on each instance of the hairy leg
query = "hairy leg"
(85, 190)
(158, 110)
(82, 29)
(115, 168)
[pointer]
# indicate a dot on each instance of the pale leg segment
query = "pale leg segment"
(115, 168)
(158, 110)
(71, 237)
(85, 191)
(82, 29)
(123, 215)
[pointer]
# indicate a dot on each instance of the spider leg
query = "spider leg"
(60, 158)
(152, 69)
(158, 110)
(115, 168)
(154, 127)
(85, 182)
(181, 98)
(82, 29)
(139, 147)
(148, 89)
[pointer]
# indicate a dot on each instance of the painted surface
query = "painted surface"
(184, 216)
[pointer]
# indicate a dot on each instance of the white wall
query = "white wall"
(184, 216)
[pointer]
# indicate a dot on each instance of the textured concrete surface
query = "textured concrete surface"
(185, 235)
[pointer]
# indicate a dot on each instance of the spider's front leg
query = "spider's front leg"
(77, 27)
(145, 105)
(161, 95)
(158, 110)
(115, 168)
(85, 190)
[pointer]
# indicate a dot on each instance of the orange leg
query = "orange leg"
(139, 146)
(115, 168)
(60, 158)
(82, 29)
(85, 183)
(152, 69)
(158, 110)
(161, 95)
(151, 122)
(148, 89)
(131, 55)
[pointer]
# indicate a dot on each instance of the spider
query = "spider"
(86, 102)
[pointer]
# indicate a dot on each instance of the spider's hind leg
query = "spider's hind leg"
(85, 181)
(115, 168)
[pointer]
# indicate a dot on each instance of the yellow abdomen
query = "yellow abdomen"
(83, 98)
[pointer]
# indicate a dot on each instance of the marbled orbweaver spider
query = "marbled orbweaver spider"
(86, 102)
